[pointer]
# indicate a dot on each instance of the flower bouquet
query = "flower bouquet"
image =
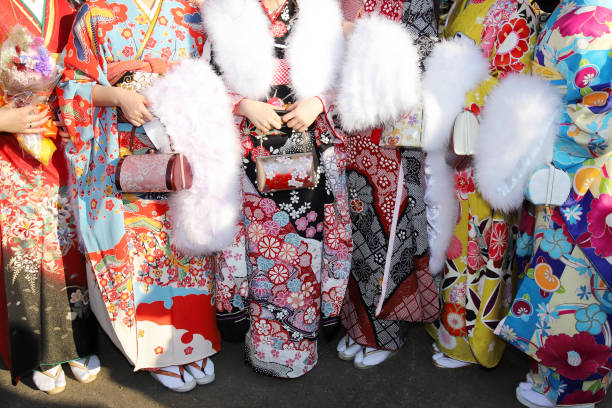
(27, 77)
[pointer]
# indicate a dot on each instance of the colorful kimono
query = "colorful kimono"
(390, 283)
(476, 285)
(292, 254)
(154, 302)
(562, 313)
(44, 303)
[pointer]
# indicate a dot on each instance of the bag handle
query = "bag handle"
(149, 30)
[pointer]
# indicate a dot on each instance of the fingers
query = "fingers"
(38, 116)
(292, 107)
(146, 115)
(275, 121)
(32, 130)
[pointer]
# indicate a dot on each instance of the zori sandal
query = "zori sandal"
(51, 381)
(85, 370)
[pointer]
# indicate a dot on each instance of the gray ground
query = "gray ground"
(406, 380)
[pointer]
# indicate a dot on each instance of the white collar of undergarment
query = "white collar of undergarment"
(243, 46)
(37, 7)
(149, 12)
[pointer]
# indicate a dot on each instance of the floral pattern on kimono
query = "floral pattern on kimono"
(294, 246)
(44, 302)
(375, 175)
(562, 314)
(156, 303)
(476, 284)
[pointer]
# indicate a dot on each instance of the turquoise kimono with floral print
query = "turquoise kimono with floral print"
(562, 314)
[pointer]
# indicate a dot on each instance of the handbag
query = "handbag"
(152, 172)
(407, 132)
(287, 171)
(465, 133)
(548, 185)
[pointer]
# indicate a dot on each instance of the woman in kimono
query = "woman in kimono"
(562, 314)
(293, 255)
(44, 312)
(476, 285)
(390, 284)
(154, 301)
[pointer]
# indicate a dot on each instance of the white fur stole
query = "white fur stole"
(518, 128)
(452, 69)
(243, 47)
(380, 79)
(192, 103)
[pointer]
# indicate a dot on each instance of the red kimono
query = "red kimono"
(44, 303)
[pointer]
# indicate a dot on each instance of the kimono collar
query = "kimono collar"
(243, 46)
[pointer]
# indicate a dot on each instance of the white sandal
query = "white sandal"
(51, 381)
(85, 370)
(533, 399)
(441, 360)
(203, 371)
(371, 357)
(174, 378)
(347, 348)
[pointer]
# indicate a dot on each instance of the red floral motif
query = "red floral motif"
(474, 257)
(575, 357)
(269, 247)
(188, 350)
(453, 318)
(356, 205)
(497, 239)
(464, 184)
(512, 43)
(278, 29)
(369, 6)
(600, 225)
(392, 9)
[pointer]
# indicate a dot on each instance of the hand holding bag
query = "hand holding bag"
(152, 172)
(287, 171)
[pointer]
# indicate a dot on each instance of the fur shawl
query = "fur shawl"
(197, 115)
(244, 48)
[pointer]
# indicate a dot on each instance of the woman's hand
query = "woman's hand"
(134, 107)
(26, 120)
(261, 114)
(302, 114)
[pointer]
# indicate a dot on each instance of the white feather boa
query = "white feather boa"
(518, 127)
(243, 47)
(193, 104)
(442, 209)
(451, 71)
(380, 79)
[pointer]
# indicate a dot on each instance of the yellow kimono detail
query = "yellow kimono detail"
(476, 286)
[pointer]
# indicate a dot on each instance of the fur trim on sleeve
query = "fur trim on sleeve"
(242, 45)
(192, 103)
(442, 209)
(451, 71)
(517, 134)
(380, 76)
(315, 47)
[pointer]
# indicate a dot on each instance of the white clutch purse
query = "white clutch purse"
(549, 186)
(465, 133)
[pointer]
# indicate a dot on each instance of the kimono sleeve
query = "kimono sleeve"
(84, 67)
(337, 237)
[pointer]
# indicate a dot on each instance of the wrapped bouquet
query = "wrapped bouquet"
(27, 77)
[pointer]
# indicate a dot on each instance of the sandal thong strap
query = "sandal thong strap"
(194, 364)
(53, 377)
(180, 376)
(77, 364)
